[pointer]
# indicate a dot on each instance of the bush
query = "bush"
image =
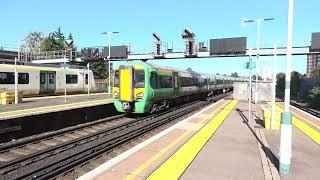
(315, 98)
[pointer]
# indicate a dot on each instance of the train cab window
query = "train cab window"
(139, 78)
(72, 79)
(8, 78)
(116, 82)
(153, 80)
(165, 81)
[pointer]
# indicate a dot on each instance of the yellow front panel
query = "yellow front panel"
(137, 91)
(125, 85)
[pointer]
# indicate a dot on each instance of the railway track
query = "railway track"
(15, 149)
(304, 108)
(59, 158)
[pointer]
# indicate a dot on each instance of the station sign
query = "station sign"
(250, 65)
(225, 46)
(117, 52)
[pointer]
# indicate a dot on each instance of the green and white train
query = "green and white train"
(141, 87)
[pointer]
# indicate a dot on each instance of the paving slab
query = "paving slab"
(231, 153)
(305, 162)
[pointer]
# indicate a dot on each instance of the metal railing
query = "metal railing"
(62, 54)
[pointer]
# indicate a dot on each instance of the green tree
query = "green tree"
(189, 69)
(33, 40)
(295, 84)
(315, 98)
(54, 42)
(235, 74)
(70, 37)
(280, 85)
(100, 69)
(315, 73)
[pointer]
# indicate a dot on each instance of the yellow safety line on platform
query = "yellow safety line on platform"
(61, 96)
(52, 107)
(170, 146)
(295, 114)
(313, 124)
(174, 167)
(309, 131)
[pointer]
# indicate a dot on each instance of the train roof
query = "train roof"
(181, 71)
(22, 63)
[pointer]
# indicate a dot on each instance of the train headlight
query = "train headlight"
(116, 94)
(140, 95)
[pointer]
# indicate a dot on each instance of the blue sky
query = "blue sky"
(136, 20)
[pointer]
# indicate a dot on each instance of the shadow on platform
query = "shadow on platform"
(274, 159)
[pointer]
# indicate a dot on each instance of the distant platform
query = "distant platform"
(49, 104)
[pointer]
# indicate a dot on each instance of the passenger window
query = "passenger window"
(165, 81)
(6, 78)
(42, 78)
(116, 78)
(51, 78)
(86, 79)
(72, 79)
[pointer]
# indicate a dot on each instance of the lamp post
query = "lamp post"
(259, 20)
(286, 116)
(109, 63)
(274, 86)
(250, 83)
(16, 80)
(88, 66)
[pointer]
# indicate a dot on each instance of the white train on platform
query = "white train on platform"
(40, 79)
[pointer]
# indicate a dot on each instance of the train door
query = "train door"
(175, 83)
(47, 82)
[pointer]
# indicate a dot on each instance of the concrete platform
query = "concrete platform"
(231, 153)
(305, 145)
(215, 143)
(42, 105)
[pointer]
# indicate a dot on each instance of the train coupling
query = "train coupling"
(126, 106)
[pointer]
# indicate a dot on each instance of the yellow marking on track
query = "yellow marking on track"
(309, 131)
(62, 96)
(45, 108)
(174, 167)
(170, 146)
